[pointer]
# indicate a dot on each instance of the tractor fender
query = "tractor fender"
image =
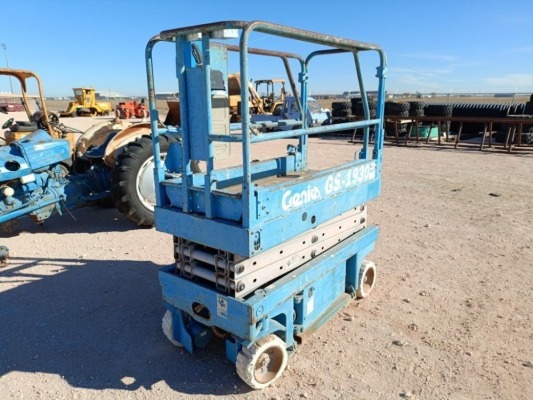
(97, 135)
(127, 135)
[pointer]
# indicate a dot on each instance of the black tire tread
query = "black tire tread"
(123, 188)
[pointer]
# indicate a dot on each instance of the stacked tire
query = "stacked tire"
(438, 110)
(416, 109)
(372, 108)
(342, 109)
(354, 101)
(397, 109)
(528, 108)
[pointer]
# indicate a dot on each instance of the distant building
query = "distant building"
(350, 94)
(106, 94)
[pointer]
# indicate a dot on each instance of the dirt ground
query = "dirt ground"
(450, 318)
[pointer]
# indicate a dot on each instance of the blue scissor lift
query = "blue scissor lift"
(266, 251)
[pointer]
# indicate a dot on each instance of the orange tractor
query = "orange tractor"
(130, 109)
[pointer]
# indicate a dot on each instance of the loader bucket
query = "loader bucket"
(173, 117)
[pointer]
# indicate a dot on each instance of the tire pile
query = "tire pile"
(438, 110)
(358, 109)
(416, 108)
(419, 109)
(472, 129)
(342, 109)
(397, 109)
(528, 108)
(346, 109)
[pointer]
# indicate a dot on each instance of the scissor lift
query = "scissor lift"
(267, 251)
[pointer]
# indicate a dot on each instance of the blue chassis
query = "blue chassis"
(310, 295)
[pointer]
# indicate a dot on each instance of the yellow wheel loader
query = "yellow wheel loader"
(86, 104)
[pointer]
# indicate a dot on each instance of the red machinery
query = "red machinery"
(130, 109)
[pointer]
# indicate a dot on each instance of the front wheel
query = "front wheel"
(262, 363)
(367, 279)
(133, 189)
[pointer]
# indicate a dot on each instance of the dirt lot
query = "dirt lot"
(450, 318)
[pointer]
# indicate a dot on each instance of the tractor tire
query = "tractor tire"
(132, 187)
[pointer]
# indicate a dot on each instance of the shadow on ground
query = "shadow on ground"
(83, 220)
(97, 324)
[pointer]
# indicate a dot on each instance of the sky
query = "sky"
(458, 46)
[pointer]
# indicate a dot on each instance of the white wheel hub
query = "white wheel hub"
(145, 183)
(367, 279)
(262, 363)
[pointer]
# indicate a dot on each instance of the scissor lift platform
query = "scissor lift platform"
(266, 251)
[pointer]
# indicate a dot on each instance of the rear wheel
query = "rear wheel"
(133, 188)
(168, 329)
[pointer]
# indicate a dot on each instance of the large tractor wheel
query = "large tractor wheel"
(133, 189)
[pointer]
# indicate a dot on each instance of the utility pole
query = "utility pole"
(3, 45)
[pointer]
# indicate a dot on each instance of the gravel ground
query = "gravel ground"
(450, 318)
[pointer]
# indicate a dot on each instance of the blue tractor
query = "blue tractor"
(266, 251)
(35, 180)
(46, 167)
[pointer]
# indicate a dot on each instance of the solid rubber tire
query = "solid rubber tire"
(368, 269)
(248, 358)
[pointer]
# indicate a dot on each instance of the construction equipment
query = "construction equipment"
(34, 180)
(287, 115)
(258, 105)
(44, 169)
(39, 175)
(86, 104)
(270, 97)
(266, 251)
(130, 109)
